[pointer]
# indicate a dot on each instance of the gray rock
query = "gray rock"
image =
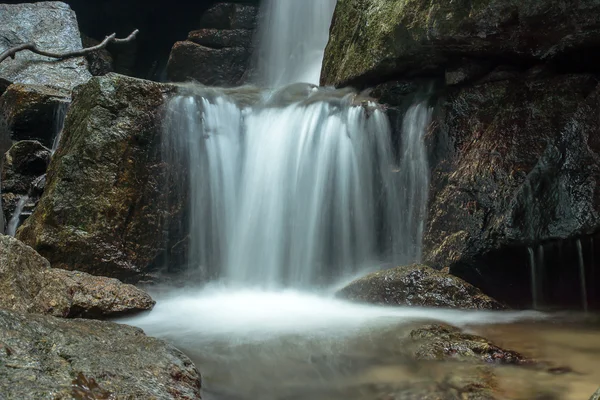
(51, 26)
(28, 284)
(596, 396)
(101, 61)
(372, 40)
(32, 112)
(504, 177)
(43, 357)
(105, 204)
(417, 285)
(229, 16)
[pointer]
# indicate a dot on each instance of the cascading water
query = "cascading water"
(15, 220)
(296, 190)
(291, 41)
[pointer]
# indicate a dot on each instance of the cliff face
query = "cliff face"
(513, 147)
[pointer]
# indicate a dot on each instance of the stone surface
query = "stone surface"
(104, 207)
(220, 67)
(32, 112)
(417, 285)
(42, 357)
(51, 26)
(22, 165)
(222, 46)
(229, 16)
(374, 40)
(596, 396)
(515, 162)
(28, 284)
(100, 62)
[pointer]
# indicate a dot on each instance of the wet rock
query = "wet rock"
(596, 396)
(374, 40)
(104, 207)
(229, 16)
(417, 285)
(51, 26)
(32, 112)
(22, 165)
(514, 163)
(45, 357)
(28, 284)
(444, 343)
(223, 47)
(100, 62)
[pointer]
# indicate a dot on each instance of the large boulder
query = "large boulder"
(515, 163)
(104, 207)
(43, 357)
(417, 285)
(32, 112)
(28, 284)
(222, 46)
(373, 40)
(52, 26)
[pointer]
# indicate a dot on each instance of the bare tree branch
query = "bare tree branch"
(70, 54)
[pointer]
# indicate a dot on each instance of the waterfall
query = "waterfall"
(60, 113)
(414, 180)
(296, 190)
(291, 41)
(582, 280)
(13, 224)
(534, 279)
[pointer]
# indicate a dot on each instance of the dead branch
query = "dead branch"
(71, 54)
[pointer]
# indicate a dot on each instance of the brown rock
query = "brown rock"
(28, 284)
(417, 285)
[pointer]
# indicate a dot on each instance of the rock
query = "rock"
(229, 16)
(220, 67)
(222, 46)
(23, 164)
(105, 204)
(51, 26)
(28, 284)
(445, 343)
(25, 161)
(43, 357)
(32, 112)
(373, 40)
(596, 396)
(100, 62)
(417, 285)
(515, 163)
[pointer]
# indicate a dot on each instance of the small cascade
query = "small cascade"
(296, 190)
(534, 278)
(59, 121)
(541, 274)
(291, 41)
(582, 280)
(13, 224)
(414, 181)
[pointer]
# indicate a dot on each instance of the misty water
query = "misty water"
(295, 190)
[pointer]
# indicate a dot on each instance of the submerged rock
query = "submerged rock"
(28, 284)
(417, 285)
(52, 26)
(45, 357)
(222, 46)
(104, 207)
(32, 112)
(371, 40)
(444, 342)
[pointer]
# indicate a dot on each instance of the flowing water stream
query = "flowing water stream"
(294, 189)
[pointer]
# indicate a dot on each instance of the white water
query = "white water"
(13, 224)
(298, 190)
(59, 122)
(291, 41)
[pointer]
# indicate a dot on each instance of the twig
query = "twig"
(61, 56)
